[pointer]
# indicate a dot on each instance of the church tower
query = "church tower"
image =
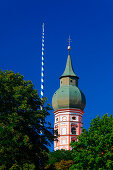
(68, 103)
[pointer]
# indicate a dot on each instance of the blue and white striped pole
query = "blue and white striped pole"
(42, 67)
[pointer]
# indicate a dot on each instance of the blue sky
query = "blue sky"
(90, 25)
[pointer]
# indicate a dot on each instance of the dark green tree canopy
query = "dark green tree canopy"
(24, 133)
(94, 148)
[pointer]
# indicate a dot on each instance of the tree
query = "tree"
(94, 148)
(59, 158)
(24, 133)
(63, 165)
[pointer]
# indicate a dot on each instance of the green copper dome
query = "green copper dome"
(68, 95)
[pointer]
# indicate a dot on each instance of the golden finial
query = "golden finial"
(69, 47)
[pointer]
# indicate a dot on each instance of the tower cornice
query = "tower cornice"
(69, 110)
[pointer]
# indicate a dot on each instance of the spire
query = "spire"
(69, 68)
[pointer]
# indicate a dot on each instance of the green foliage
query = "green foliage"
(94, 148)
(24, 167)
(63, 165)
(24, 134)
(57, 156)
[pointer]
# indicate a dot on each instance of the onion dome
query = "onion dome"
(68, 95)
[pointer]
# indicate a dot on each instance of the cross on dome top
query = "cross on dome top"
(69, 40)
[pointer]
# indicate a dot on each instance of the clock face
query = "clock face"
(64, 118)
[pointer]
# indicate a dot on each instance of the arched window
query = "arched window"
(73, 130)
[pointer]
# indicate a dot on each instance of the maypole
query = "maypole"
(42, 65)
